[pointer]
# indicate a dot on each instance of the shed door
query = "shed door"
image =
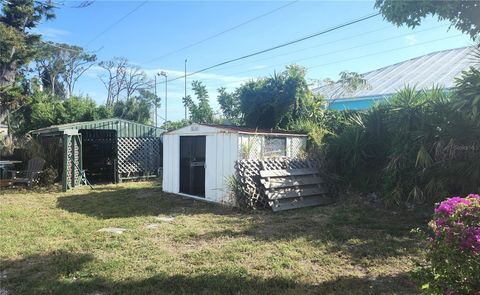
(192, 165)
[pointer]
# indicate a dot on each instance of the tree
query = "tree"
(18, 44)
(50, 65)
(136, 108)
(347, 86)
(201, 112)
(230, 106)
(76, 62)
(114, 78)
(462, 14)
(42, 109)
(122, 80)
(135, 79)
(276, 101)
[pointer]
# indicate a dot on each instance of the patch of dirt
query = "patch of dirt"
(113, 230)
(165, 218)
(153, 225)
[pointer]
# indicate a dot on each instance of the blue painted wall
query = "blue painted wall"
(358, 103)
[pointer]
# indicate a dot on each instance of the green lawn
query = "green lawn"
(50, 244)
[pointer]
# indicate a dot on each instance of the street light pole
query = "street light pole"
(163, 73)
(185, 88)
(156, 101)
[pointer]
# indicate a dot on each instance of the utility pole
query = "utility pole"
(185, 88)
(163, 73)
(156, 100)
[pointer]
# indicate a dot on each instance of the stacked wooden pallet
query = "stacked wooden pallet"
(294, 188)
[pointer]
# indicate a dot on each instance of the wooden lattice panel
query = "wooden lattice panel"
(297, 147)
(72, 161)
(138, 156)
(253, 193)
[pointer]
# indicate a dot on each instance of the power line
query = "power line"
(349, 23)
(115, 23)
(340, 50)
(364, 56)
(307, 48)
(222, 32)
(385, 51)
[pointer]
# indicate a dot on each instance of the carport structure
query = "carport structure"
(110, 150)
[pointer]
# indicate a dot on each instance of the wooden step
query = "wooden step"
(294, 193)
(287, 172)
(282, 182)
(287, 204)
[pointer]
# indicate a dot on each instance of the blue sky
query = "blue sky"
(157, 28)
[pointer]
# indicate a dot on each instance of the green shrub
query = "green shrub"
(453, 248)
(417, 148)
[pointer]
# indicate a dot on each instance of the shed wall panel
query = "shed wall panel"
(171, 162)
(211, 167)
(221, 154)
(176, 164)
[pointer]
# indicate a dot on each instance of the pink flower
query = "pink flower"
(448, 206)
(474, 196)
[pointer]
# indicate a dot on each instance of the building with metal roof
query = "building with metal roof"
(435, 69)
(108, 150)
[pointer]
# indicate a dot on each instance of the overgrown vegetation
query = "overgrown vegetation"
(420, 147)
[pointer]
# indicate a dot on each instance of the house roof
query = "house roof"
(244, 130)
(124, 128)
(437, 68)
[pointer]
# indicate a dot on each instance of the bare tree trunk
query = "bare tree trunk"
(9, 71)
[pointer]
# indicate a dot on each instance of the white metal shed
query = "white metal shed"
(198, 159)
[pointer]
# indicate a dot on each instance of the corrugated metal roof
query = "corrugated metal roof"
(242, 129)
(235, 129)
(438, 68)
(124, 128)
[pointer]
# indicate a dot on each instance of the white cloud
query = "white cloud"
(258, 67)
(411, 39)
(51, 32)
(222, 79)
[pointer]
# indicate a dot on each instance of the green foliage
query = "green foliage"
(61, 65)
(200, 112)
(230, 106)
(347, 86)
(277, 101)
(42, 110)
(417, 148)
(137, 108)
(18, 44)
(173, 125)
(467, 92)
(462, 14)
(453, 248)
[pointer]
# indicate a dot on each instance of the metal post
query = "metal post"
(156, 101)
(185, 88)
(166, 101)
(163, 73)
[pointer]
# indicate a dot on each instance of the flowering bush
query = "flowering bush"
(454, 247)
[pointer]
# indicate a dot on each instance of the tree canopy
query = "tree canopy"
(462, 14)
(201, 111)
(272, 102)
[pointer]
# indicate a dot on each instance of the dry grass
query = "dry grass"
(50, 244)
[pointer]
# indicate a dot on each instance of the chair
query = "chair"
(29, 176)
